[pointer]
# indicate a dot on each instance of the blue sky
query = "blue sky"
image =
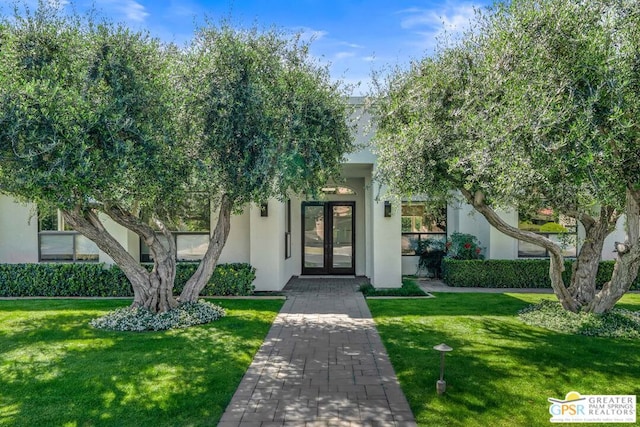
(353, 36)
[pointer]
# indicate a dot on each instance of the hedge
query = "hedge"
(99, 280)
(521, 273)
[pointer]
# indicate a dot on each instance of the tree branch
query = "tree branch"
(135, 224)
(198, 281)
(88, 224)
(556, 267)
(477, 200)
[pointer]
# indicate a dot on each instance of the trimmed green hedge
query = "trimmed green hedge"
(521, 273)
(98, 280)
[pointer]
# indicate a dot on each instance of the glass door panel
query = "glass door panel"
(328, 238)
(314, 236)
(342, 236)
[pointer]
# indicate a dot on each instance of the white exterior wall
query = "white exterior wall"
(410, 265)
(127, 238)
(619, 235)
(18, 234)
(471, 222)
(267, 246)
(501, 246)
(293, 265)
(387, 246)
(368, 224)
(237, 248)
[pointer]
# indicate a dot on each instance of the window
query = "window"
(559, 228)
(340, 190)
(287, 229)
(191, 231)
(59, 242)
(421, 223)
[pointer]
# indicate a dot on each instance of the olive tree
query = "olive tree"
(99, 122)
(534, 108)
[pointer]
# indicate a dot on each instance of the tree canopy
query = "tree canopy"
(534, 108)
(97, 119)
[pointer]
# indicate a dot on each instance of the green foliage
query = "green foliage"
(96, 117)
(62, 280)
(409, 289)
(430, 244)
(501, 371)
(97, 280)
(553, 227)
(87, 113)
(140, 319)
(521, 273)
(231, 279)
(535, 106)
(617, 323)
(525, 108)
(57, 370)
(463, 247)
(262, 115)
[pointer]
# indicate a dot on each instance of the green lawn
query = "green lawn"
(501, 371)
(56, 370)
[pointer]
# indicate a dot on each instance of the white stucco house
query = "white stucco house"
(350, 230)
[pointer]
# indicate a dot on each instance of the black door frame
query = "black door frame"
(328, 267)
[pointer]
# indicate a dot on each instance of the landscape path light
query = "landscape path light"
(441, 385)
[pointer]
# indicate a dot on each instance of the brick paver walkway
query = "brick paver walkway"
(322, 364)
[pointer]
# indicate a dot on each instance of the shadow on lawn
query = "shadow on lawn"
(501, 371)
(57, 370)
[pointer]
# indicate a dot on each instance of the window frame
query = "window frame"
(572, 231)
(421, 235)
(146, 257)
(73, 256)
(287, 229)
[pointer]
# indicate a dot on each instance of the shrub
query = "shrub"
(62, 280)
(140, 319)
(521, 273)
(463, 246)
(553, 227)
(232, 279)
(618, 323)
(227, 279)
(98, 280)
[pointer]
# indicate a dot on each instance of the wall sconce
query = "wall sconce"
(264, 209)
(387, 209)
(441, 385)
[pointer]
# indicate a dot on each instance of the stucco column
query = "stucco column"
(267, 245)
(387, 251)
(18, 231)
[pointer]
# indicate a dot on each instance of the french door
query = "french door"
(328, 238)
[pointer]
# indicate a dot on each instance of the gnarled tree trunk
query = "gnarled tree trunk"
(627, 264)
(581, 295)
(152, 290)
(556, 266)
(199, 280)
(585, 268)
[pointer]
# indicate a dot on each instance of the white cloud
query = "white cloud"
(343, 55)
(311, 35)
(59, 4)
(430, 25)
(452, 17)
(351, 45)
(131, 10)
